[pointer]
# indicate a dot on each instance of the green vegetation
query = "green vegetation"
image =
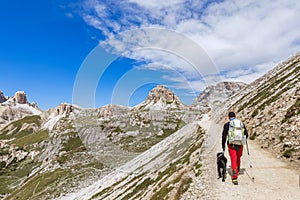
(198, 170)
(19, 169)
(4, 152)
(253, 136)
(73, 144)
(167, 172)
(14, 172)
(184, 186)
(63, 124)
(136, 179)
(45, 185)
(176, 166)
(107, 190)
(281, 137)
(96, 165)
(17, 125)
(40, 185)
(32, 138)
(288, 153)
(118, 130)
(33, 119)
(195, 145)
(140, 144)
(139, 188)
(266, 95)
(271, 99)
(2, 164)
(162, 193)
(6, 182)
(254, 113)
(99, 194)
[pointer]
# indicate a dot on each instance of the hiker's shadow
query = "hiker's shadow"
(241, 172)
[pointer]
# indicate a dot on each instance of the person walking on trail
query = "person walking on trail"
(235, 133)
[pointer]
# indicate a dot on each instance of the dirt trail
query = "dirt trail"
(274, 179)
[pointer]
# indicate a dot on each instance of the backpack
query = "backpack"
(236, 132)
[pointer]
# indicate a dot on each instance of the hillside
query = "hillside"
(75, 147)
(270, 107)
(164, 171)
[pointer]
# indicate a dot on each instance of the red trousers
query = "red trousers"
(235, 157)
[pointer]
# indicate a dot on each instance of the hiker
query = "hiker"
(236, 135)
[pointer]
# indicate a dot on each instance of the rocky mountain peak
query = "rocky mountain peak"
(161, 92)
(16, 107)
(2, 97)
(20, 97)
(216, 94)
(161, 97)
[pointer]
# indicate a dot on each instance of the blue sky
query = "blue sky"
(44, 44)
(41, 50)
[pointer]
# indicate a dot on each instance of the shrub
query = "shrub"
(281, 137)
(253, 136)
(2, 164)
(288, 153)
(255, 112)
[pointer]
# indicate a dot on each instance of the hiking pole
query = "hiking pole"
(251, 178)
(248, 154)
(249, 161)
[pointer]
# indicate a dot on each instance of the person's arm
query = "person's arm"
(224, 135)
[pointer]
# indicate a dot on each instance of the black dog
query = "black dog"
(221, 162)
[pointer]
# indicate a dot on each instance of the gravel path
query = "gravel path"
(273, 178)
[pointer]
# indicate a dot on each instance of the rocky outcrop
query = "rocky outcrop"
(2, 97)
(10, 154)
(16, 107)
(215, 95)
(64, 108)
(112, 110)
(161, 98)
(20, 97)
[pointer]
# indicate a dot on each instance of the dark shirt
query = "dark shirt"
(225, 132)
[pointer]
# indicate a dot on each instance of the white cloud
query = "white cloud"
(69, 15)
(157, 4)
(244, 38)
(253, 32)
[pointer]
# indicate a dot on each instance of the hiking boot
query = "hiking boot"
(234, 174)
(235, 181)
